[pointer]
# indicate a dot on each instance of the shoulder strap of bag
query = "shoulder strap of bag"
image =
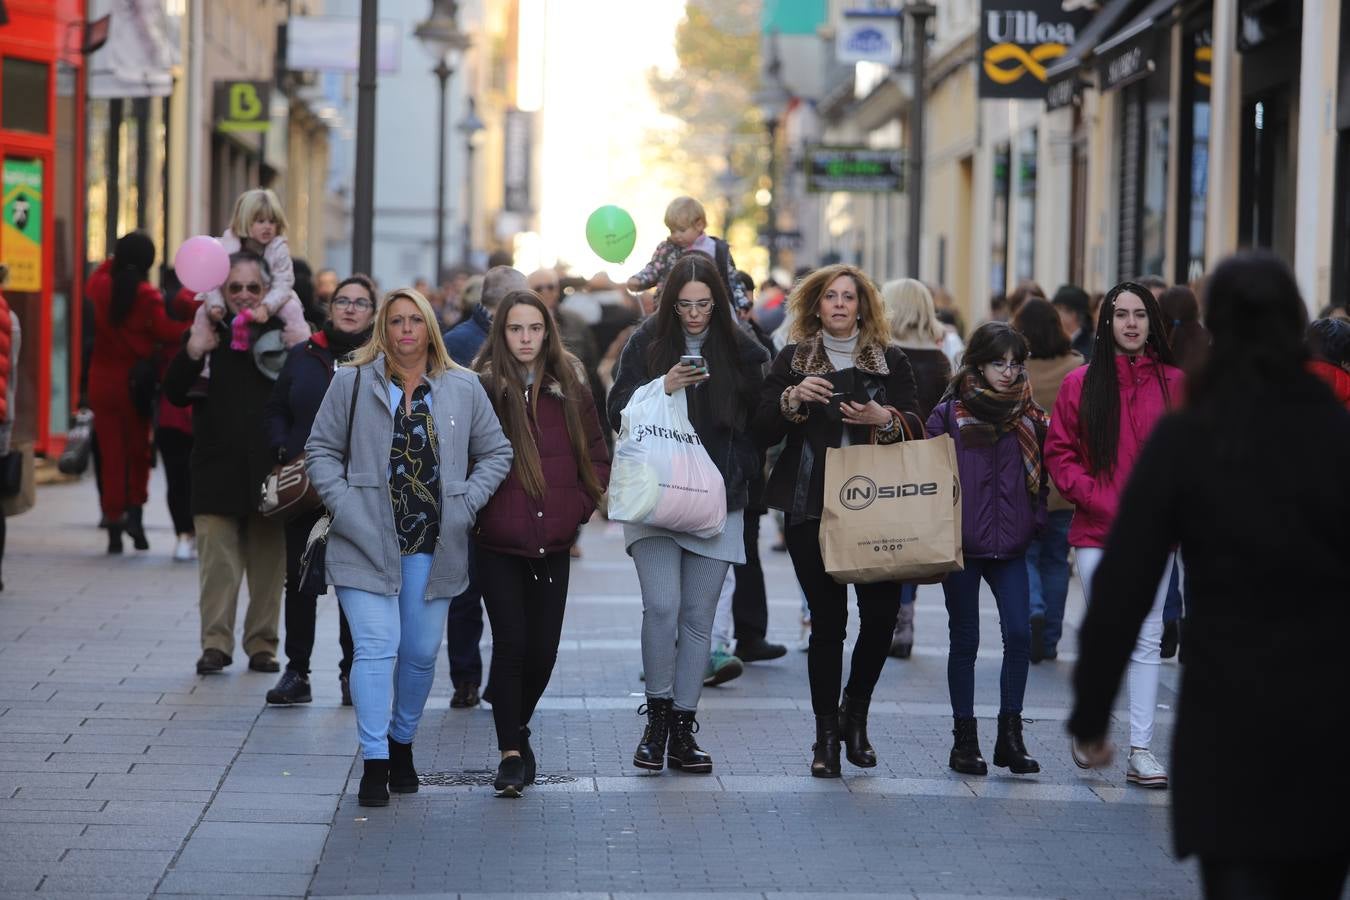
(351, 417)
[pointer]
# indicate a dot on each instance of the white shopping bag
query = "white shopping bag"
(662, 475)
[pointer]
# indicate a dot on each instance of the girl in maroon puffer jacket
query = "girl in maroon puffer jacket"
(560, 470)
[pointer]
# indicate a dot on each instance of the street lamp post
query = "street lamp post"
(919, 14)
(441, 37)
(363, 189)
(772, 99)
(470, 126)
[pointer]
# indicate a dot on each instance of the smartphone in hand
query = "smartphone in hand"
(697, 362)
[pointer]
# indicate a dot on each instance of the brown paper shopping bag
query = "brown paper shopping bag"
(892, 512)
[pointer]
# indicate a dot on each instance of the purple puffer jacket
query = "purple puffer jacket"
(998, 517)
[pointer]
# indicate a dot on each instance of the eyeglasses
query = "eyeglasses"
(252, 287)
(1003, 365)
(360, 304)
(688, 306)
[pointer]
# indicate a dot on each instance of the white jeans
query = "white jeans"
(722, 622)
(1146, 657)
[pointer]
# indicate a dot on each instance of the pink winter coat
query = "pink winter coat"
(1142, 404)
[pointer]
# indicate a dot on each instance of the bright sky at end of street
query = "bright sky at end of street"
(597, 110)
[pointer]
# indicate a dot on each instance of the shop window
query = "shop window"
(23, 95)
(1026, 207)
(998, 231)
(1193, 174)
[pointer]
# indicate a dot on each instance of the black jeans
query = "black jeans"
(525, 600)
(878, 607)
(302, 607)
(750, 603)
(1257, 879)
(463, 631)
(175, 448)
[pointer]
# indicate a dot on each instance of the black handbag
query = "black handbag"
(144, 386)
(11, 473)
(312, 561)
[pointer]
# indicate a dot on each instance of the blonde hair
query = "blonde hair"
(684, 212)
(874, 328)
(913, 315)
(438, 358)
(257, 205)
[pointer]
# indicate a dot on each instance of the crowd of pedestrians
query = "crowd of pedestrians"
(1107, 436)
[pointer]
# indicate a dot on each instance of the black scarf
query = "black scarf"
(342, 343)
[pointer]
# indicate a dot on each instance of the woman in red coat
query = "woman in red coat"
(129, 322)
(524, 533)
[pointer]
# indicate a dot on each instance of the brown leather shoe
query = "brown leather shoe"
(262, 661)
(212, 661)
(465, 696)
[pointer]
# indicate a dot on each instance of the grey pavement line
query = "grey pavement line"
(215, 792)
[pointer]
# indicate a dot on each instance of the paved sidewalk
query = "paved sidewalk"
(122, 773)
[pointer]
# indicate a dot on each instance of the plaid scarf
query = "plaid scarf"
(983, 415)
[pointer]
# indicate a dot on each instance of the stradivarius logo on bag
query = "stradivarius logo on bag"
(670, 434)
(859, 492)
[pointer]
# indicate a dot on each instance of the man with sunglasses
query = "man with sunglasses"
(230, 458)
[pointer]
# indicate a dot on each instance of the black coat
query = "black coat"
(1262, 515)
(729, 446)
(797, 482)
(932, 374)
(289, 415)
(230, 454)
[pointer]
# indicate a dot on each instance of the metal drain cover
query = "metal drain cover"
(477, 777)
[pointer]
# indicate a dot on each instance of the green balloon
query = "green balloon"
(611, 233)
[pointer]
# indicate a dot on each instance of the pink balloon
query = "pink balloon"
(201, 263)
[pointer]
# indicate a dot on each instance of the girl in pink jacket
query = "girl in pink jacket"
(1102, 417)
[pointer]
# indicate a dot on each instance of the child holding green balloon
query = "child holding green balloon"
(688, 222)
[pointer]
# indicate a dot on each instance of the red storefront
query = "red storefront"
(42, 88)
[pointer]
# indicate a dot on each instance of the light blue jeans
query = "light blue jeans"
(397, 639)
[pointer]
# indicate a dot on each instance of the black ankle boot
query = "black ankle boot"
(136, 529)
(853, 731)
(115, 538)
(374, 784)
(683, 752)
(825, 762)
(966, 757)
(527, 755)
(651, 750)
(402, 775)
(1009, 751)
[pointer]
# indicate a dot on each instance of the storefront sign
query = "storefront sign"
(1127, 63)
(21, 231)
(516, 165)
(1063, 92)
(1018, 38)
(869, 35)
(243, 106)
(855, 170)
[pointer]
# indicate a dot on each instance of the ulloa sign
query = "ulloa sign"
(1019, 38)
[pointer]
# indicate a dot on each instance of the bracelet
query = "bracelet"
(892, 425)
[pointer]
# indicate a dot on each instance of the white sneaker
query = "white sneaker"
(185, 550)
(1144, 769)
(804, 638)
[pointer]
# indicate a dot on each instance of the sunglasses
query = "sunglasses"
(237, 287)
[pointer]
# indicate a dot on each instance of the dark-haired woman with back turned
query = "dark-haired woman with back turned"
(1104, 413)
(1051, 359)
(129, 322)
(1188, 338)
(999, 433)
(1260, 812)
(681, 574)
(558, 473)
(842, 381)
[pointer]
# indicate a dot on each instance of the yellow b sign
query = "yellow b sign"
(243, 106)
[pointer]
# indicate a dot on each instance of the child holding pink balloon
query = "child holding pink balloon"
(258, 217)
(688, 223)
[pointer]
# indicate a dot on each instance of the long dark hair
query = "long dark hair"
(721, 394)
(504, 382)
(1099, 410)
(133, 255)
(1188, 338)
(1039, 323)
(989, 343)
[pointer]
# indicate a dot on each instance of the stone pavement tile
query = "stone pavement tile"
(667, 782)
(278, 783)
(113, 882)
(270, 807)
(1030, 790)
(925, 787)
(226, 884)
(787, 784)
(253, 847)
(193, 778)
(14, 885)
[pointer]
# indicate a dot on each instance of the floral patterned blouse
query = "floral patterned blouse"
(415, 475)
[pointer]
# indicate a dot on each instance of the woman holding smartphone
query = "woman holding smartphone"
(842, 381)
(681, 574)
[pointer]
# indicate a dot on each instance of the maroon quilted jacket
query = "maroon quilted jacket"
(513, 522)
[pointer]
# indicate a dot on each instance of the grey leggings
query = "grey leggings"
(679, 590)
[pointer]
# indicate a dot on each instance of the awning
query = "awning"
(1128, 55)
(141, 52)
(1079, 51)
